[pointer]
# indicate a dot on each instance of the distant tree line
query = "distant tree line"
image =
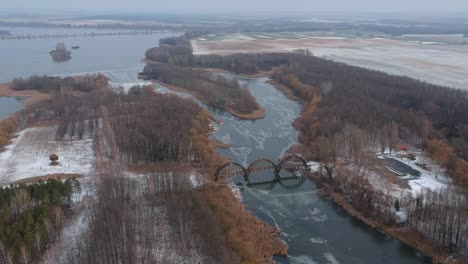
(180, 54)
(46, 84)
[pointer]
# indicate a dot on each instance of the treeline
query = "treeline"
(242, 63)
(442, 215)
(31, 217)
(179, 53)
(46, 84)
(215, 90)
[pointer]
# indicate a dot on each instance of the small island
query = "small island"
(60, 53)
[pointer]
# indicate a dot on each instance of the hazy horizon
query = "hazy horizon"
(246, 7)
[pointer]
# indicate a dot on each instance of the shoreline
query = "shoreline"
(407, 236)
(257, 114)
(30, 97)
(255, 232)
(410, 237)
(285, 90)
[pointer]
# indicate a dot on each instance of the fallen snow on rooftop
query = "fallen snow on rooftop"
(28, 155)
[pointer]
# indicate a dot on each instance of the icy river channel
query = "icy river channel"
(315, 230)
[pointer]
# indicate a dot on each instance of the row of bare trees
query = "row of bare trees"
(151, 127)
(442, 215)
(215, 90)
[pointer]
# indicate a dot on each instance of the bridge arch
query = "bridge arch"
(284, 162)
(233, 165)
(259, 161)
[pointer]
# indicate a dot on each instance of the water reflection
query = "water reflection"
(316, 231)
(267, 181)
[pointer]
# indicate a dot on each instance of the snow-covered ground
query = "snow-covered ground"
(28, 155)
(433, 180)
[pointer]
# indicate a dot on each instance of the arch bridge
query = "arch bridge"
(291, 164)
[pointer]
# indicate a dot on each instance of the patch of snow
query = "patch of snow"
(314, 166)
(28, 155)
(196, 180)
(434, 179)
(236, 191)
(401, 215)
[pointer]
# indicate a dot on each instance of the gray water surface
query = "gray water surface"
(116, 55)
(9, 105)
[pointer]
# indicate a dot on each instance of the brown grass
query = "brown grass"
(31, 96)
(251, 239)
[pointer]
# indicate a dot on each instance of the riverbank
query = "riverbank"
(406, 235)
(256, 114)
(285, 90)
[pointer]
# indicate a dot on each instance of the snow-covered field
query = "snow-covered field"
(28, 155)
(439, 63)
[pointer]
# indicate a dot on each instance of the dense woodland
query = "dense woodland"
(31, 217)
(215, 90)
(151, 127)
(389, 109)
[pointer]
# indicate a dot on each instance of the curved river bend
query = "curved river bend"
(315, 229)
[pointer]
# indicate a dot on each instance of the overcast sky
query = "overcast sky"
(247, 6)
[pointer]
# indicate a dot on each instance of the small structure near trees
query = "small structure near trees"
(54, 159)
